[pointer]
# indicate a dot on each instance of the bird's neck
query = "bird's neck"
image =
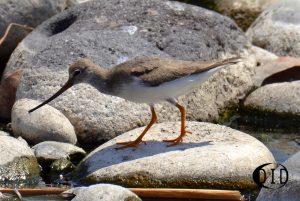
(99, 80)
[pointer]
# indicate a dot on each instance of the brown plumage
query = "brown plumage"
(155, 71)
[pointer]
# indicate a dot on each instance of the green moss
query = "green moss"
(145, 180)
(21, 169)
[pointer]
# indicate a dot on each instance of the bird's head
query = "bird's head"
(79, 72)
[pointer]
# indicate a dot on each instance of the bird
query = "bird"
(148, 79)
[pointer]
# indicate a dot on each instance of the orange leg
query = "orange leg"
(183, 131)
(136, 142)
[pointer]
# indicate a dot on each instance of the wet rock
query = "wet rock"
(101, 192)
(278, 98)
(45, 124)
(29, 12)
(8, 89)
(212, 156)
(277, 28)
(283, 69)
(50, 150)
(112, 32)
(291, 190)
(17, 161)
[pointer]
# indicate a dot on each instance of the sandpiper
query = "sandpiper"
(145, 80)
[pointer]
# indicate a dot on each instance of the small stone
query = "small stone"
(101, 192)
(213, 156)
(50, 150)
(45, 124)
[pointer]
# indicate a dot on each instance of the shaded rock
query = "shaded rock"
(51, 150)
(8, 89)
(101, 192)
(29, 12)
(290, 191)
(17, 161)
(283, 69)
(212, 157)
(113, 31)
(277, 28)
(278, 98)
(12, 36)
(42, 125)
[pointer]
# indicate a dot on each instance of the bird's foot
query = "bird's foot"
(179, 139)
(134, 143)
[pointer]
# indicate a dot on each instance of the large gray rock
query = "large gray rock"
(101, 192)
(277, 29)
(51, 150)
(278, 98)
(212, 156)
(109, 32)
(291, 191)
(17, 161)
(29, 12)
(42, 125)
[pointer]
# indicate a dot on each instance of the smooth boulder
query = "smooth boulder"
(112, 32)
(101, 192)
(45, 124)
(277, 29)
(213, 156)
(17, 160)
(277, 98)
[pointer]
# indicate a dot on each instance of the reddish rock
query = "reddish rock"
(13, 35)
(8, 89)
(283, 69)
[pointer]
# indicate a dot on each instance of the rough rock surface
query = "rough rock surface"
(110, 32)
(101, 192)
(44, 124)
(277, 29)
(17, 161)
(51, 150)
(212, 156)
(290, 191)
(29, 12)
(280, 98)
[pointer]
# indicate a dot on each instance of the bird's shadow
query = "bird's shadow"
(111, 155)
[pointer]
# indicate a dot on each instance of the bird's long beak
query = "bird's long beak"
(68, 84)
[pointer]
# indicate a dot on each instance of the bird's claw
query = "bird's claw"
(178, 139)
(128, 144)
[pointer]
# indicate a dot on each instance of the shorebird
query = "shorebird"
(145, 80)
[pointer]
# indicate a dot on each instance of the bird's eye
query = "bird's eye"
(77, 72)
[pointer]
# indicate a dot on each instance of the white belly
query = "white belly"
(136, 92)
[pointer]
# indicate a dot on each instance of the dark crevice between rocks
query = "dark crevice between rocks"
(61, 24)
(291, 74)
